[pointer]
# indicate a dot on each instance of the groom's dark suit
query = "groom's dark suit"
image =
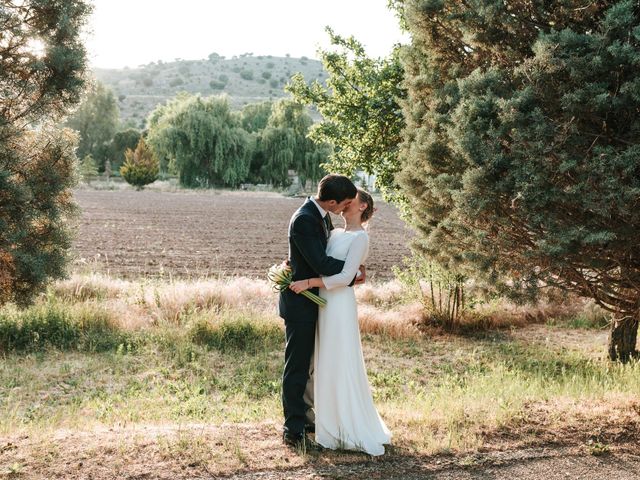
(308, 234)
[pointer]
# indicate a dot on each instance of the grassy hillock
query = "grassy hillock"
(246, 79)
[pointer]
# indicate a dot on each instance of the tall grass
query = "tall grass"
(86, 327)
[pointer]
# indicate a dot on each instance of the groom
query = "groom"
(309, 230)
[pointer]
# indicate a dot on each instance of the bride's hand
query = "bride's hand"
(299, 286)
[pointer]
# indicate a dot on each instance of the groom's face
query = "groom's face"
(342, 206)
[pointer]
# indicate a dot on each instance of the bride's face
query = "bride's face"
(354, 210)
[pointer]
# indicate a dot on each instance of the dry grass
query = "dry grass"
(205, 376)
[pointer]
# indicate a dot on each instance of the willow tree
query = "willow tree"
(286, 145)
(42, 66)
(204, 139)
(361, 117)
(521, 157)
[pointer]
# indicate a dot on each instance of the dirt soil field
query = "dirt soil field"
(194, 234)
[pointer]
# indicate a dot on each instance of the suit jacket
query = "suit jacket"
(308, 237)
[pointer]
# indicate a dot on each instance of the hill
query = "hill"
(245, 79)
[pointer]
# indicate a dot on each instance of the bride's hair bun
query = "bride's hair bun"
(365, 197)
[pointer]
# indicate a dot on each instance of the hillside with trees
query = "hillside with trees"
(245, 79)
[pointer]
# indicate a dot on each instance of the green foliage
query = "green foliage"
(88, 169)
(359, 106)
(96, 121)
(174, 82)
(235, 333)
(217, 85)
(285, 146)
(121, 142)
(52, 325)
(141, 167)
(202, 139)
(246, 74)
(256, 115)
(522, 149)
(37, 160)
(266, 75)
(441, 292)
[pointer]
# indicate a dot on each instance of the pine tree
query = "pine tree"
(42, 75)
(521, 157)
(140, 167)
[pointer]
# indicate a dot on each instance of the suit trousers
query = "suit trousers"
(300, 342)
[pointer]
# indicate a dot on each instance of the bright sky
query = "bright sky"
(134, 32)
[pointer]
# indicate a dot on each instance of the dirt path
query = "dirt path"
(543, 464)
(254, 451)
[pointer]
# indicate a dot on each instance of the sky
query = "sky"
(135, 32)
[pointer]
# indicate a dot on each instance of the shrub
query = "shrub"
(266, 75)
(216, 85)
(176, 81)
(233, 332)
(141, 167)
(247, 74)
(52, 325)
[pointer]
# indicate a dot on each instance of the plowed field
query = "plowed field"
(193, 234)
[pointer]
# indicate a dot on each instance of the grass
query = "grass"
(74, 361)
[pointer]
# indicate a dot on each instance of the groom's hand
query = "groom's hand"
(360, 279)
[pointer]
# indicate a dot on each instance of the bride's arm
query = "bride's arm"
(355, 256)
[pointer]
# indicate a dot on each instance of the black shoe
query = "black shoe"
(295, 440)
(300, 442)
(310, 428)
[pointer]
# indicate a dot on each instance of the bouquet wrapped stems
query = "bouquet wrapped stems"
(280, 277)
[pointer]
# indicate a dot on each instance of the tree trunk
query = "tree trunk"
(622, 339)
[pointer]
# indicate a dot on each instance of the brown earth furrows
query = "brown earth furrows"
(195, 234)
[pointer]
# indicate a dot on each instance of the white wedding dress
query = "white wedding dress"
(345, 415)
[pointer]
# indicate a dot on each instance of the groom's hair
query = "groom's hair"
(336, 187)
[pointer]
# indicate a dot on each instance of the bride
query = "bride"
(345, 415)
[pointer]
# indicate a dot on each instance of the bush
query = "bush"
(246, 74)
(270, 64)
(236, 333)
(266, 75)
(274, 83)
(141, 167)
(223, 78)
(216, 85)
(51, 325)
(176, 81)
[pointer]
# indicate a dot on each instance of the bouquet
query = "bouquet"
(280, 278)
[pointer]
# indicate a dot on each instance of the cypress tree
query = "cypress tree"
(521, 155)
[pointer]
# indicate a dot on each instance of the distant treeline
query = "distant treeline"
(202, 141)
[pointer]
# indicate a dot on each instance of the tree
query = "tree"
(96, 121)
(42, 68)
(256, 115)
(521, 158)
(88, 169)
(140, 167)
(285, 146)
(203, 138)
(362, 119)
(120, 143)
